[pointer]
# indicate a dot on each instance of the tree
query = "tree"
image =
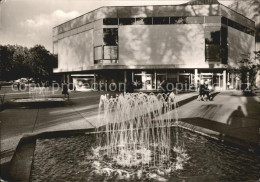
(18, 61)
(6, 56)
(247, 71)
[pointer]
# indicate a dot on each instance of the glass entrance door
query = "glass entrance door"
(218, 81)
(144, 80)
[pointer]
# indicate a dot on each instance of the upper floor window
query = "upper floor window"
(240, 27)
(212, 44)
(110, 36)
(161, 20)
(224, 46)
(126, 21)
(212, 53)
(111, 52)
(178, 20)
(110, 21)
(212, 35)
(144, 21)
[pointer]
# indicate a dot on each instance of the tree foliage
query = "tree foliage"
(18, 61)
(247, 70)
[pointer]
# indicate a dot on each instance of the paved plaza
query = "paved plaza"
(229, 114)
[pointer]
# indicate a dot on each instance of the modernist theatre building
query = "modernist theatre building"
(199, 40)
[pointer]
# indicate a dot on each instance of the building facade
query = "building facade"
(187, 43)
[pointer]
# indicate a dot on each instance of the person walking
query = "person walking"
(65, 90)
(206, 91)
(201, 91)
(228, 85)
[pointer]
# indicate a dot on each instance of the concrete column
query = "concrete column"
(133, 76)
(125, 81)
(224, 80)
(95, 81)
(178, 76)
(196, 78)
(143, 78)
(125, 76)
(68, 78)
(219, 84)
(232, 80)
(247, 80)
(155, 79)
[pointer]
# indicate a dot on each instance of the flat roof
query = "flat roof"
(185, 4)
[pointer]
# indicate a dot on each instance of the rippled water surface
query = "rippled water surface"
(72, 159)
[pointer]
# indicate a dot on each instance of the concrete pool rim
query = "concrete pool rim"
(19, 168)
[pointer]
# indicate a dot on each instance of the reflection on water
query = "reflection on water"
(76, 159)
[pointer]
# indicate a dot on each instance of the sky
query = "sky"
(30, 22)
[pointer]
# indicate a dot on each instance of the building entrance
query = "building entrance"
(144, 81)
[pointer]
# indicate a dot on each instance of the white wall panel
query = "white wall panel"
(162, 44)
(240, 45)
(76, 52)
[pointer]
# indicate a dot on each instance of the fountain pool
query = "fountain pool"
(76, 158)
(139, 141)
(39, 95)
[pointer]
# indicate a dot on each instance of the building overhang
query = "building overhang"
(141, 67)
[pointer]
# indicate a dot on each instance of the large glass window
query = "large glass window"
(110, 36)
(110, 21)
(126, 21)
(212, 35)
(178, 20)
(212, 44)
(216, 49)
(239, 27)
(224, 46)
(110, 52)
(212, 53)
(144, 21)
(161, 20)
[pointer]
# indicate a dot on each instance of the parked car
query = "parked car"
(20, 83)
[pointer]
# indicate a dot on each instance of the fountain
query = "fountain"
(132, 134)
(139, 139)
(39, 95)
(137, 133)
